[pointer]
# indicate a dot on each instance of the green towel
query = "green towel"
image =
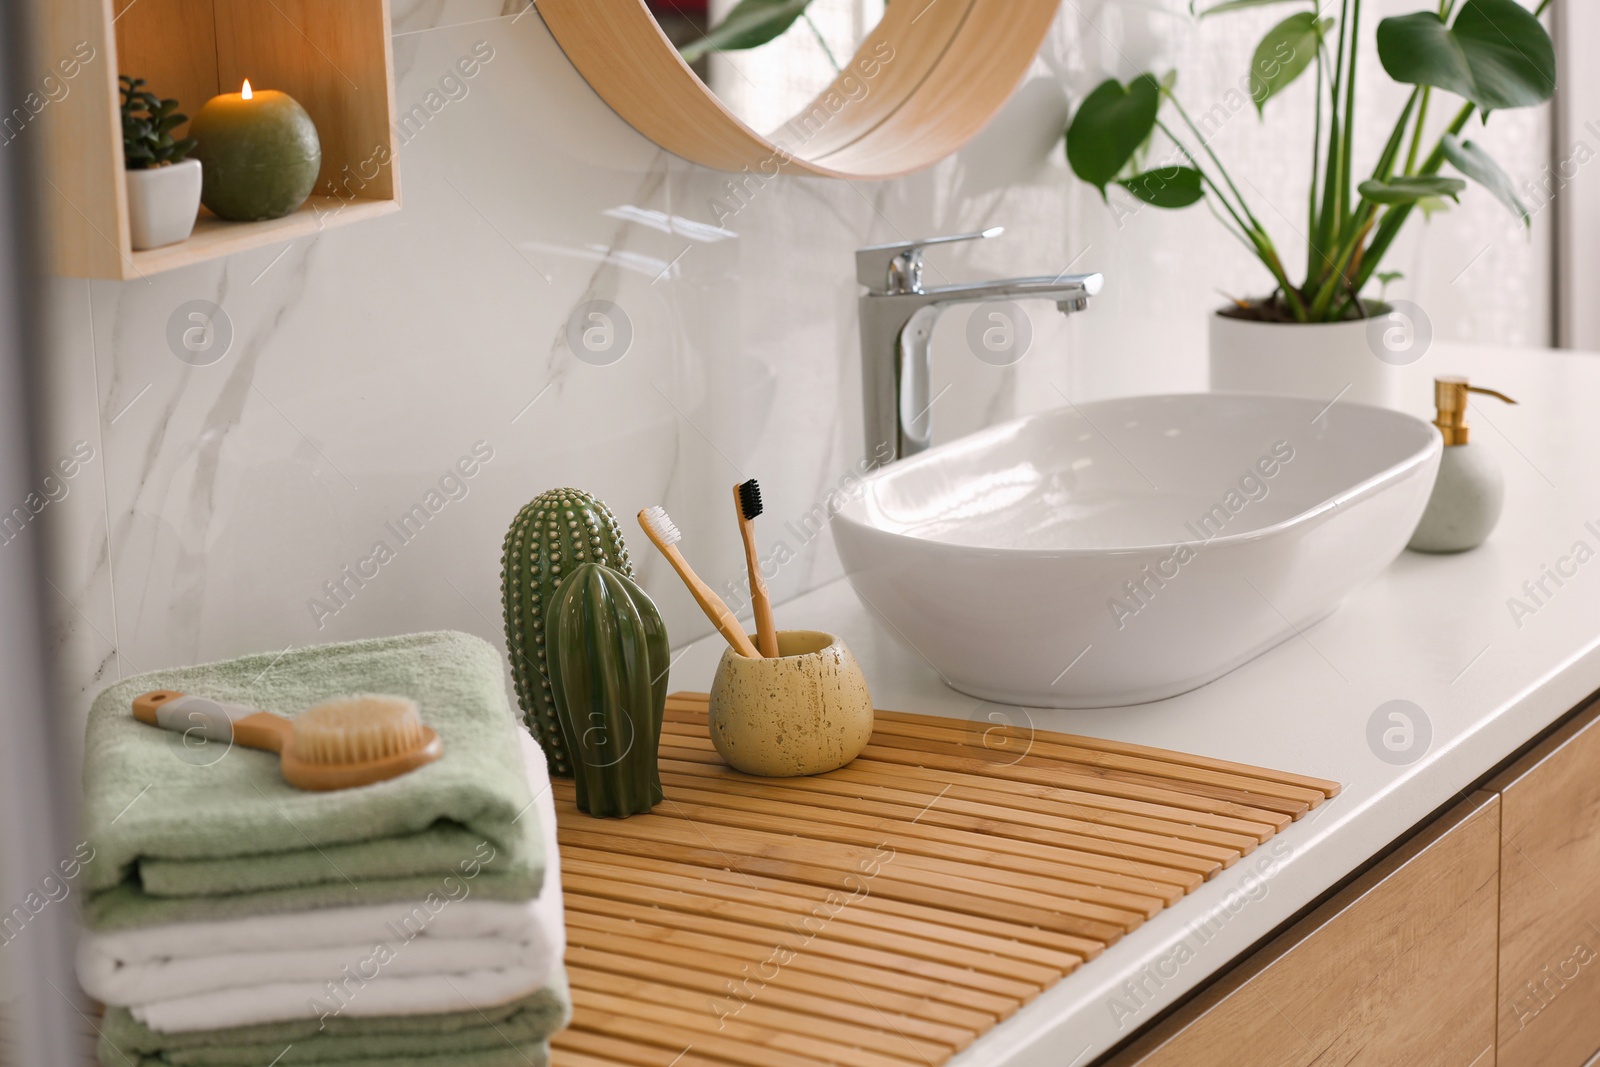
(179, 838)
(511, 1035)
(536, 1054)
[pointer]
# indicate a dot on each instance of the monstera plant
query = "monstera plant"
(1491, 54)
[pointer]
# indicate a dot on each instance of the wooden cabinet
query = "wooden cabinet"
(1476, 944)
(1550, 900)
(1398, 968)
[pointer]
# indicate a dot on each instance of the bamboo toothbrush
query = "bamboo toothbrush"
(663, 533)
(338, 744)
(747, 501)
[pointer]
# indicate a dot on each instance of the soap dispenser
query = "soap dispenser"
(1466, 499)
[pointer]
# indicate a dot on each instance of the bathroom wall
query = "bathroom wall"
(250, 497)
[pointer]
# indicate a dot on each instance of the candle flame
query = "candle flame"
(245, 92)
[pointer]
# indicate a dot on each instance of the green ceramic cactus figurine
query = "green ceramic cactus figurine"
(548, 539)
(608, 670)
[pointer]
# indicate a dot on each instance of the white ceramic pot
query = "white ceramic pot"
(163, 203)
(1356, 361)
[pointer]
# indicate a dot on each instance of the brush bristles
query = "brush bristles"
(750, 498)
(358, 729)
(661, 524)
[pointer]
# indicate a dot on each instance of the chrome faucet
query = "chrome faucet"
(897, 319)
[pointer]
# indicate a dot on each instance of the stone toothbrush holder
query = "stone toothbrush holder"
(805, 711)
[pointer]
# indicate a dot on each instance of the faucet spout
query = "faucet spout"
(1062, 288)
(897, 318)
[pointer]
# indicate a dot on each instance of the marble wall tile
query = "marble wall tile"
(238, 503)
(71, 524)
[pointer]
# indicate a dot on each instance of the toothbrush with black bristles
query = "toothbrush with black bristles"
(747, 502)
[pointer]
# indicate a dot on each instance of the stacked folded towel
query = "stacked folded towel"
(234, 920)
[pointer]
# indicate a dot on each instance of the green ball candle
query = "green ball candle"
(259, 154)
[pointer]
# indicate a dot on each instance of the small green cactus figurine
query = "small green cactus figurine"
(608, 669)
(548, 539)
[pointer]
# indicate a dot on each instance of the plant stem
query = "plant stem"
(1195, 163)
(1422, 126)
(1332, 207)
(1268, 255)
(1347, 162)
(1349, 298)
(1254, 236)
(1337, 277)
(1313, 253)
(1361, 235)
(1396, 216)
(821, 40)
(1255, 223)
(1397, 137)
(1350, 250)
(1226, 225)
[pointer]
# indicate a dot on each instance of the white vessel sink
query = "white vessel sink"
(1128, 550)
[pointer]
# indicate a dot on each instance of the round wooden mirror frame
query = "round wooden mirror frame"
(928, 78)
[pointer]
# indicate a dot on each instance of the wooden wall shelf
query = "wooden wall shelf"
(336, 59)
(213, 238)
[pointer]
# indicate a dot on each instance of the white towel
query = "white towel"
(381, 960)
(385, 995)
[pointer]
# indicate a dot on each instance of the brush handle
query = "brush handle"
(716, 609)
(760, 603)
(709, 601)
(237, 724)
(213, 720)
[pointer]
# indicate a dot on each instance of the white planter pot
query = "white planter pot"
(163, 203)
(1358, 361)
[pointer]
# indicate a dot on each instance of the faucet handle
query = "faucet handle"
(897, 267)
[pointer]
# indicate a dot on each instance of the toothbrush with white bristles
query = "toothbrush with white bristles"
(663, 533)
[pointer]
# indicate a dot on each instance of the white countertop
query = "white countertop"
(1433, 630)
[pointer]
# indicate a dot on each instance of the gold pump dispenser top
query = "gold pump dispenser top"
(1450, 397)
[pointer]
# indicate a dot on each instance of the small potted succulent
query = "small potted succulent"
(1322, 333)
(163, 183)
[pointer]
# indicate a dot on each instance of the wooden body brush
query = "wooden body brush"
(747, 502)
(663, 533)
(338, 744)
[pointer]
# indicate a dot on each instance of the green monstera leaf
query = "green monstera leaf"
(1284, 54)
(1168, 187)
(1411, 190)
(1470, 159)
(1497, 55)
(1110, 125)
(750, 24)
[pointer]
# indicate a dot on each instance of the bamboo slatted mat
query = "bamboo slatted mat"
(889, 913)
